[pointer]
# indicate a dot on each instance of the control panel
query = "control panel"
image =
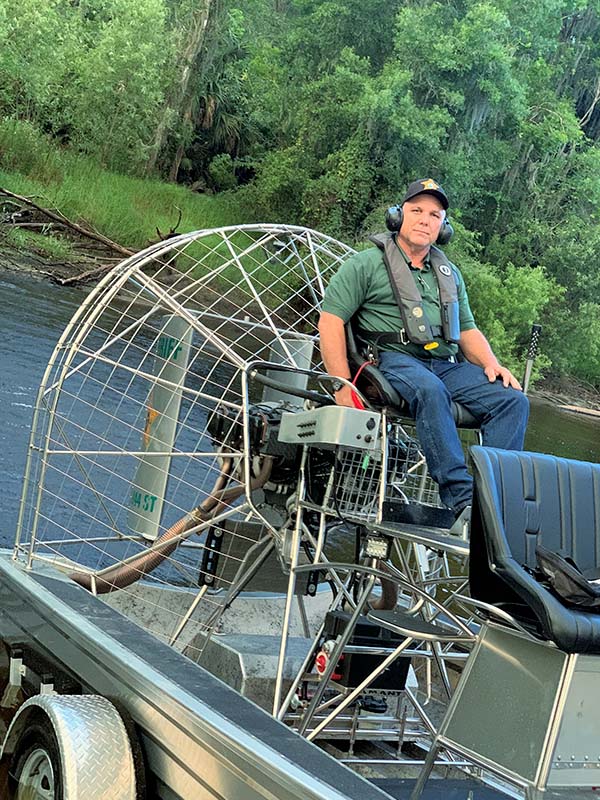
(331, 426)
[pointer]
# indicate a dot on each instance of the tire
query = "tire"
(36, 773)
(68, 746)
(140, 763)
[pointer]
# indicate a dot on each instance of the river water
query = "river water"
(34, 314)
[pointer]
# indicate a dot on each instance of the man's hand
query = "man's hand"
(477, 350)
(344, 397)
(508, 379)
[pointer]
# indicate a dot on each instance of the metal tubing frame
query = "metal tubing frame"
(291, 590)
(343, 640)
(335, 655)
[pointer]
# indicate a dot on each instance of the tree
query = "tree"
(178, 106)
(117, 86)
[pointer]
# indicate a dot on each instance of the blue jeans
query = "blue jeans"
(429, 385)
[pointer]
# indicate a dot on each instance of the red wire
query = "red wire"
(358, 403)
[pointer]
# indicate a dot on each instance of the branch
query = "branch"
(588, 114)
(58, 217)
(84, 276)
(173, 231)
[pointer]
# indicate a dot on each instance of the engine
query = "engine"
(226, 428)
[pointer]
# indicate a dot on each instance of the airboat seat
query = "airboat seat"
(520, 499)
(540, 664)
(376, 387)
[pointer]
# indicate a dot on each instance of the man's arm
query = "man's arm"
(335, 356)
(476, 349)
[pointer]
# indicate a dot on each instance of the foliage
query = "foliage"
(504, 302)
(276, 193)
(575, 342)
(90, 72)
(24, 149)
(113, 95)
(221, 172)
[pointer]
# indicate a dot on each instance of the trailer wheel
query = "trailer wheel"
(37, 772)
(68, 746)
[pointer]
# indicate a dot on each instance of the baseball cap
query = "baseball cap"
(426, 186)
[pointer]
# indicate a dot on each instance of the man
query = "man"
(423, 316)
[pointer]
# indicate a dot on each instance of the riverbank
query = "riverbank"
(128, 210)
(578, 399)
(42, 239)
(19, 260)
(54, 227)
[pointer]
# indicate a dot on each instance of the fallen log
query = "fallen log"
(57, 216)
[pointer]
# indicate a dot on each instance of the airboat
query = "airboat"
(225, 586)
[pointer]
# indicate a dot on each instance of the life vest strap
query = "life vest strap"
(379, 338)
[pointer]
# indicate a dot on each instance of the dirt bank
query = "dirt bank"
(30, 261)
(578, 394)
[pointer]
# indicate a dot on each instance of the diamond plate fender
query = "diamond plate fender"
(95, 751)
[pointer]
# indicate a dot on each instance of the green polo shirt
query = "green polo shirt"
(362, 286)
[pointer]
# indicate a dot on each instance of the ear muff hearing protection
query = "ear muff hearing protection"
(393, 222)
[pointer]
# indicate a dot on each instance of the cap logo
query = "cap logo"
(430, 184)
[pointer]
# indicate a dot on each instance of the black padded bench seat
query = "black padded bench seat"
(521, 498)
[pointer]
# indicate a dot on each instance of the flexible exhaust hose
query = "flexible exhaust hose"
(122, 575)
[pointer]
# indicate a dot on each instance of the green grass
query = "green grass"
(126, 209)
(51, 246)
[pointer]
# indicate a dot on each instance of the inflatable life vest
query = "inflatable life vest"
(417, 327)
